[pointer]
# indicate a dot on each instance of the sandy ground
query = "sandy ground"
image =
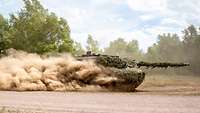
(157, 95)
(89, 102)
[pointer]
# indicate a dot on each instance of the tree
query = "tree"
(122, 48)
(79, 49)
(170, 47)
(152, 54)
(4, 41)
(34, 29)
(116, 47)
(190, 34)
(167, 48)
(132, 49)
(92, 45)
(191, 43)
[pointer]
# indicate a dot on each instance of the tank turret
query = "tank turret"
(126, 70)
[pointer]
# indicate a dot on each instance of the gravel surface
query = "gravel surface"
(98, 102)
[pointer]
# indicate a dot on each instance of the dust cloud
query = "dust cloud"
(21, 71)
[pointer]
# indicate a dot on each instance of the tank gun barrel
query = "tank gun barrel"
(161, 64)
(117, 62)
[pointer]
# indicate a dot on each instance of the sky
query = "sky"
(107, 20)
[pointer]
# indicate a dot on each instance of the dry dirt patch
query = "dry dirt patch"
(171, 84)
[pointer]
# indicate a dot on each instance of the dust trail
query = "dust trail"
(21, 71)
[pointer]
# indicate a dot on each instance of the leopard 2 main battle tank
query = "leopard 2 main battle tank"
(127, 71)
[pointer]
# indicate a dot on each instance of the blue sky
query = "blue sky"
(107, 20)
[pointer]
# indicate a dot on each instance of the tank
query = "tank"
(127, 71)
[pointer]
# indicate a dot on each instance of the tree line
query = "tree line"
(168, 48)
(34, 29)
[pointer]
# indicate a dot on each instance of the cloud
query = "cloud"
(187, 10)
(105, 36)
(108, 20)
(174, 23)
(147, 17)
(147, 5)
(161, 30)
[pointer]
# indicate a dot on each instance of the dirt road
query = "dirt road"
(89, 102)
